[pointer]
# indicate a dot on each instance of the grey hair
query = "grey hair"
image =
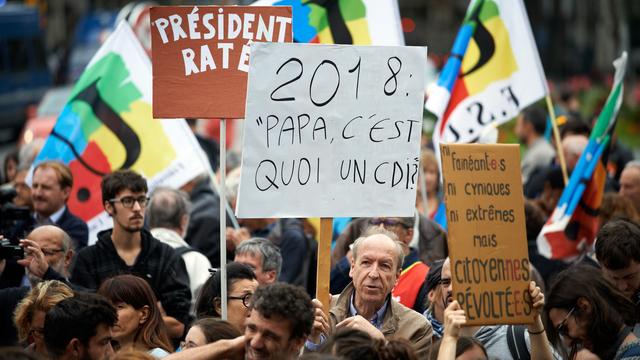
(167, 207)
(633, 164)
(270, 253)
(67, 243)
(376, 230)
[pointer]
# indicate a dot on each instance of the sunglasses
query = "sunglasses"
(562, 328)
(386, 222)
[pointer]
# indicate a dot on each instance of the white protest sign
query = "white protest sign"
(331, 130)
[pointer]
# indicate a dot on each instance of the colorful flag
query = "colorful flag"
(573, 225)
(107, 125)
(357, 22)
(493, 72)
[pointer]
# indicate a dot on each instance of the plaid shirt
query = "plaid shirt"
(157, 263)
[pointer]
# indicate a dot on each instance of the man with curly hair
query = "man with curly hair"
(279, 323)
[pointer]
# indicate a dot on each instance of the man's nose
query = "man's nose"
(109, 352)
(136, 205)
(374, 272)
(257, 342)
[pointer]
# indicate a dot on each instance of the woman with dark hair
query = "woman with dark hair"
(140, 325)
(209, 330)
(241, 284)
(588, 314)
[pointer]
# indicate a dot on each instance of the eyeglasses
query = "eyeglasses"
(51, 252)
(386, 222)
(36, 332)
(246, 299)
(562, 329)
(445, 282)
(128, 201)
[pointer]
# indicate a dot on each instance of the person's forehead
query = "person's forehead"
(275, 324)
(631, 174)
(378, 246)
(46, 237)
(633, 268)
(249, 258)
(128, 192)
(45, 174)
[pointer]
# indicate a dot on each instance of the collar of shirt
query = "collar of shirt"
(53, 217)
(377, 318)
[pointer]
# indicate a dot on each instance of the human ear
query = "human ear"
(217, 305)
(144, 314)
(584, 305)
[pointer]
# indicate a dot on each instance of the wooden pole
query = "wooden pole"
(556, 135)
(223, 217)
(324, 263)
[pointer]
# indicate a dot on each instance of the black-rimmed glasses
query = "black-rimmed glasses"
(129, 201)
(246, 299)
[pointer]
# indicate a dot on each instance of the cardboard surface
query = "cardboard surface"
(487, 239)
(332, 130)
(200, 56)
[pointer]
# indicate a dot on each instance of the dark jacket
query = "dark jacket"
(9, 299)
(75, 228)
(203, 233)
(157, 263)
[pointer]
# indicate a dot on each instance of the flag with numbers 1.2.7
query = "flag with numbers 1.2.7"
(493, 72)
(106, 125)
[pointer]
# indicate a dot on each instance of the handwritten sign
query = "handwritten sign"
(487, 240)
(201, 56)
(331, 130)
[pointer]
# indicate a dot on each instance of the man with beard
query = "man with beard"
(277, 327)
(80, 328)
(130, 249)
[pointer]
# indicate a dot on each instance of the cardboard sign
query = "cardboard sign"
(200, 56)
(487, 239)
(332, 130)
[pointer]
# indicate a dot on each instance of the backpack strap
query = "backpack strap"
(183, 250)
(516, 342)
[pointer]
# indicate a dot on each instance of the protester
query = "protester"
(208, 330)
(79, 327)
(366, 303)
(241, 285)
(139, 325)
(168, 218)
(590, 317)
(616, 206)
(298, 250)
(50, 191)
(23, 191)
(263, 257)
(281, 317)
(630, 183)
(430, 169)
(453, 345)
(130, 249)
(437, 298)
(530, 127)
(618, 251)
(350, 344)
(10, 167)
(203, 232)
(494, 338)
(409, 290)
(29, 315)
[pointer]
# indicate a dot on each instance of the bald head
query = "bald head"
(380, 237)
(56, 246)
(572, 147)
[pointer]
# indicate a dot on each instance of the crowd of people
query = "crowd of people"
(151, 286)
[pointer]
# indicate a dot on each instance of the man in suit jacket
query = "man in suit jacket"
(50, 190)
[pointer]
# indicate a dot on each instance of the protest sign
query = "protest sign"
(106, 125)
(487, 241)
(201, 56)
(331, 130)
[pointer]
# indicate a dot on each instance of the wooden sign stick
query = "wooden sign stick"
(324, 263)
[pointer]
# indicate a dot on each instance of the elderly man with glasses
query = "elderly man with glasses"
(128, 248)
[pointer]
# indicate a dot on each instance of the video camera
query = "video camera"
(15, 224)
